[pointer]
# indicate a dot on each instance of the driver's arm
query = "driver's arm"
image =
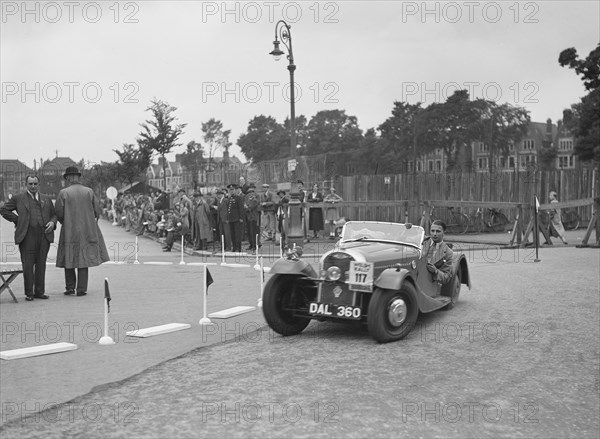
(443, 273)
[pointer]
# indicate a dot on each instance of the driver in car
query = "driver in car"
(437, 253)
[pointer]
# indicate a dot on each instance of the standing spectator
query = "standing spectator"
(35, 222)
(251, 204)
(242, 196)
(223, 224)
(202, 229)
(268, 206)
(235, 217)
(555, 218)
(315, 214)
(128, 205)
(331, 212)
(172, 227)
(282, 214)
(162, 201)
(244, 186)
(142, 214)
(184, 218)
(81, 244)
(214, 210)
(302, 199)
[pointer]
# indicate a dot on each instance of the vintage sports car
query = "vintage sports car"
(375, 275)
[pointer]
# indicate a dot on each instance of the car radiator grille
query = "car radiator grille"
(329, 290)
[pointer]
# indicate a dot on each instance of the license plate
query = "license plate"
(339, 311)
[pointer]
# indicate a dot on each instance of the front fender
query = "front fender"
(289, 266)
(391, 278)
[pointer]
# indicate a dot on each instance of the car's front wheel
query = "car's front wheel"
(392, 314)
(282, 295)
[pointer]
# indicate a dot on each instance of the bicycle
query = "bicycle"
(489, 220)
(456, 222)
(570, 219)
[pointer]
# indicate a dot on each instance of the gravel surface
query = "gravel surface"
(517, 357)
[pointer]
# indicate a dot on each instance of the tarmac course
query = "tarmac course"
(517, 357)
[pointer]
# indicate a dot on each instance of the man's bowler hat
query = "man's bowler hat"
(71, 170)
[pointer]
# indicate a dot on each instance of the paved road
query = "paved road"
(517, 357)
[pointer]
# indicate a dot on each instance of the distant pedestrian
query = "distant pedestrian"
(315, 214)
(81, 244)
(35, 222)
(555, 218)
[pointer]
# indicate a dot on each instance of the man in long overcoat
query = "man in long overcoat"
(202, 229)
(35, 221)
(81, 244)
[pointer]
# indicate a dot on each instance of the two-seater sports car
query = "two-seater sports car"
(375, 274)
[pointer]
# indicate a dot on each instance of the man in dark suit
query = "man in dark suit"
(235, 217)
(35, 222)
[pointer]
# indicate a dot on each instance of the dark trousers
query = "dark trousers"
(226, 232)
(252, 230)
(235, 230)
(172, 235)
(79, 282)
(34, 252)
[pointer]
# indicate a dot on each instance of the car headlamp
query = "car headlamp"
(333, 273)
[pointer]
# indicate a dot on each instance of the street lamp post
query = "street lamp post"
(283, 33)
(294, 227)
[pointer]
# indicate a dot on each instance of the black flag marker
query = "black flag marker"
(107, 294)
(209, 279)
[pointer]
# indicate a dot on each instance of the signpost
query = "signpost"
(112, 193)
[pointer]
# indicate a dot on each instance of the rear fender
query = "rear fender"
(459, 263)
(392, 279)
(289, 266)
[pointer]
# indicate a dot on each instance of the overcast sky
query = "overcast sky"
(78, 76)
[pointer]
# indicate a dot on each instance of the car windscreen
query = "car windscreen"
(388, 232)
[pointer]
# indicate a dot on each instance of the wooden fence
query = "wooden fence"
(402, 196)
(391, 197)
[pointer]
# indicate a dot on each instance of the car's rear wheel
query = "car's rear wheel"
(392, 314)
(282, 295)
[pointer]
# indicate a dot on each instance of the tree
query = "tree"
(214, 137)
(161, 133)
(583, 119)
(401, 136)
(264, 139)
(332, 131)
(133, 162)
(101, 175)
(500, 126)
(192, 160)
(451, 125)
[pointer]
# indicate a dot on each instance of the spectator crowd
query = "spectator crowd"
(236, 212)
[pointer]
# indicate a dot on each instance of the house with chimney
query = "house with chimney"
(51, 175)
(213, 172)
